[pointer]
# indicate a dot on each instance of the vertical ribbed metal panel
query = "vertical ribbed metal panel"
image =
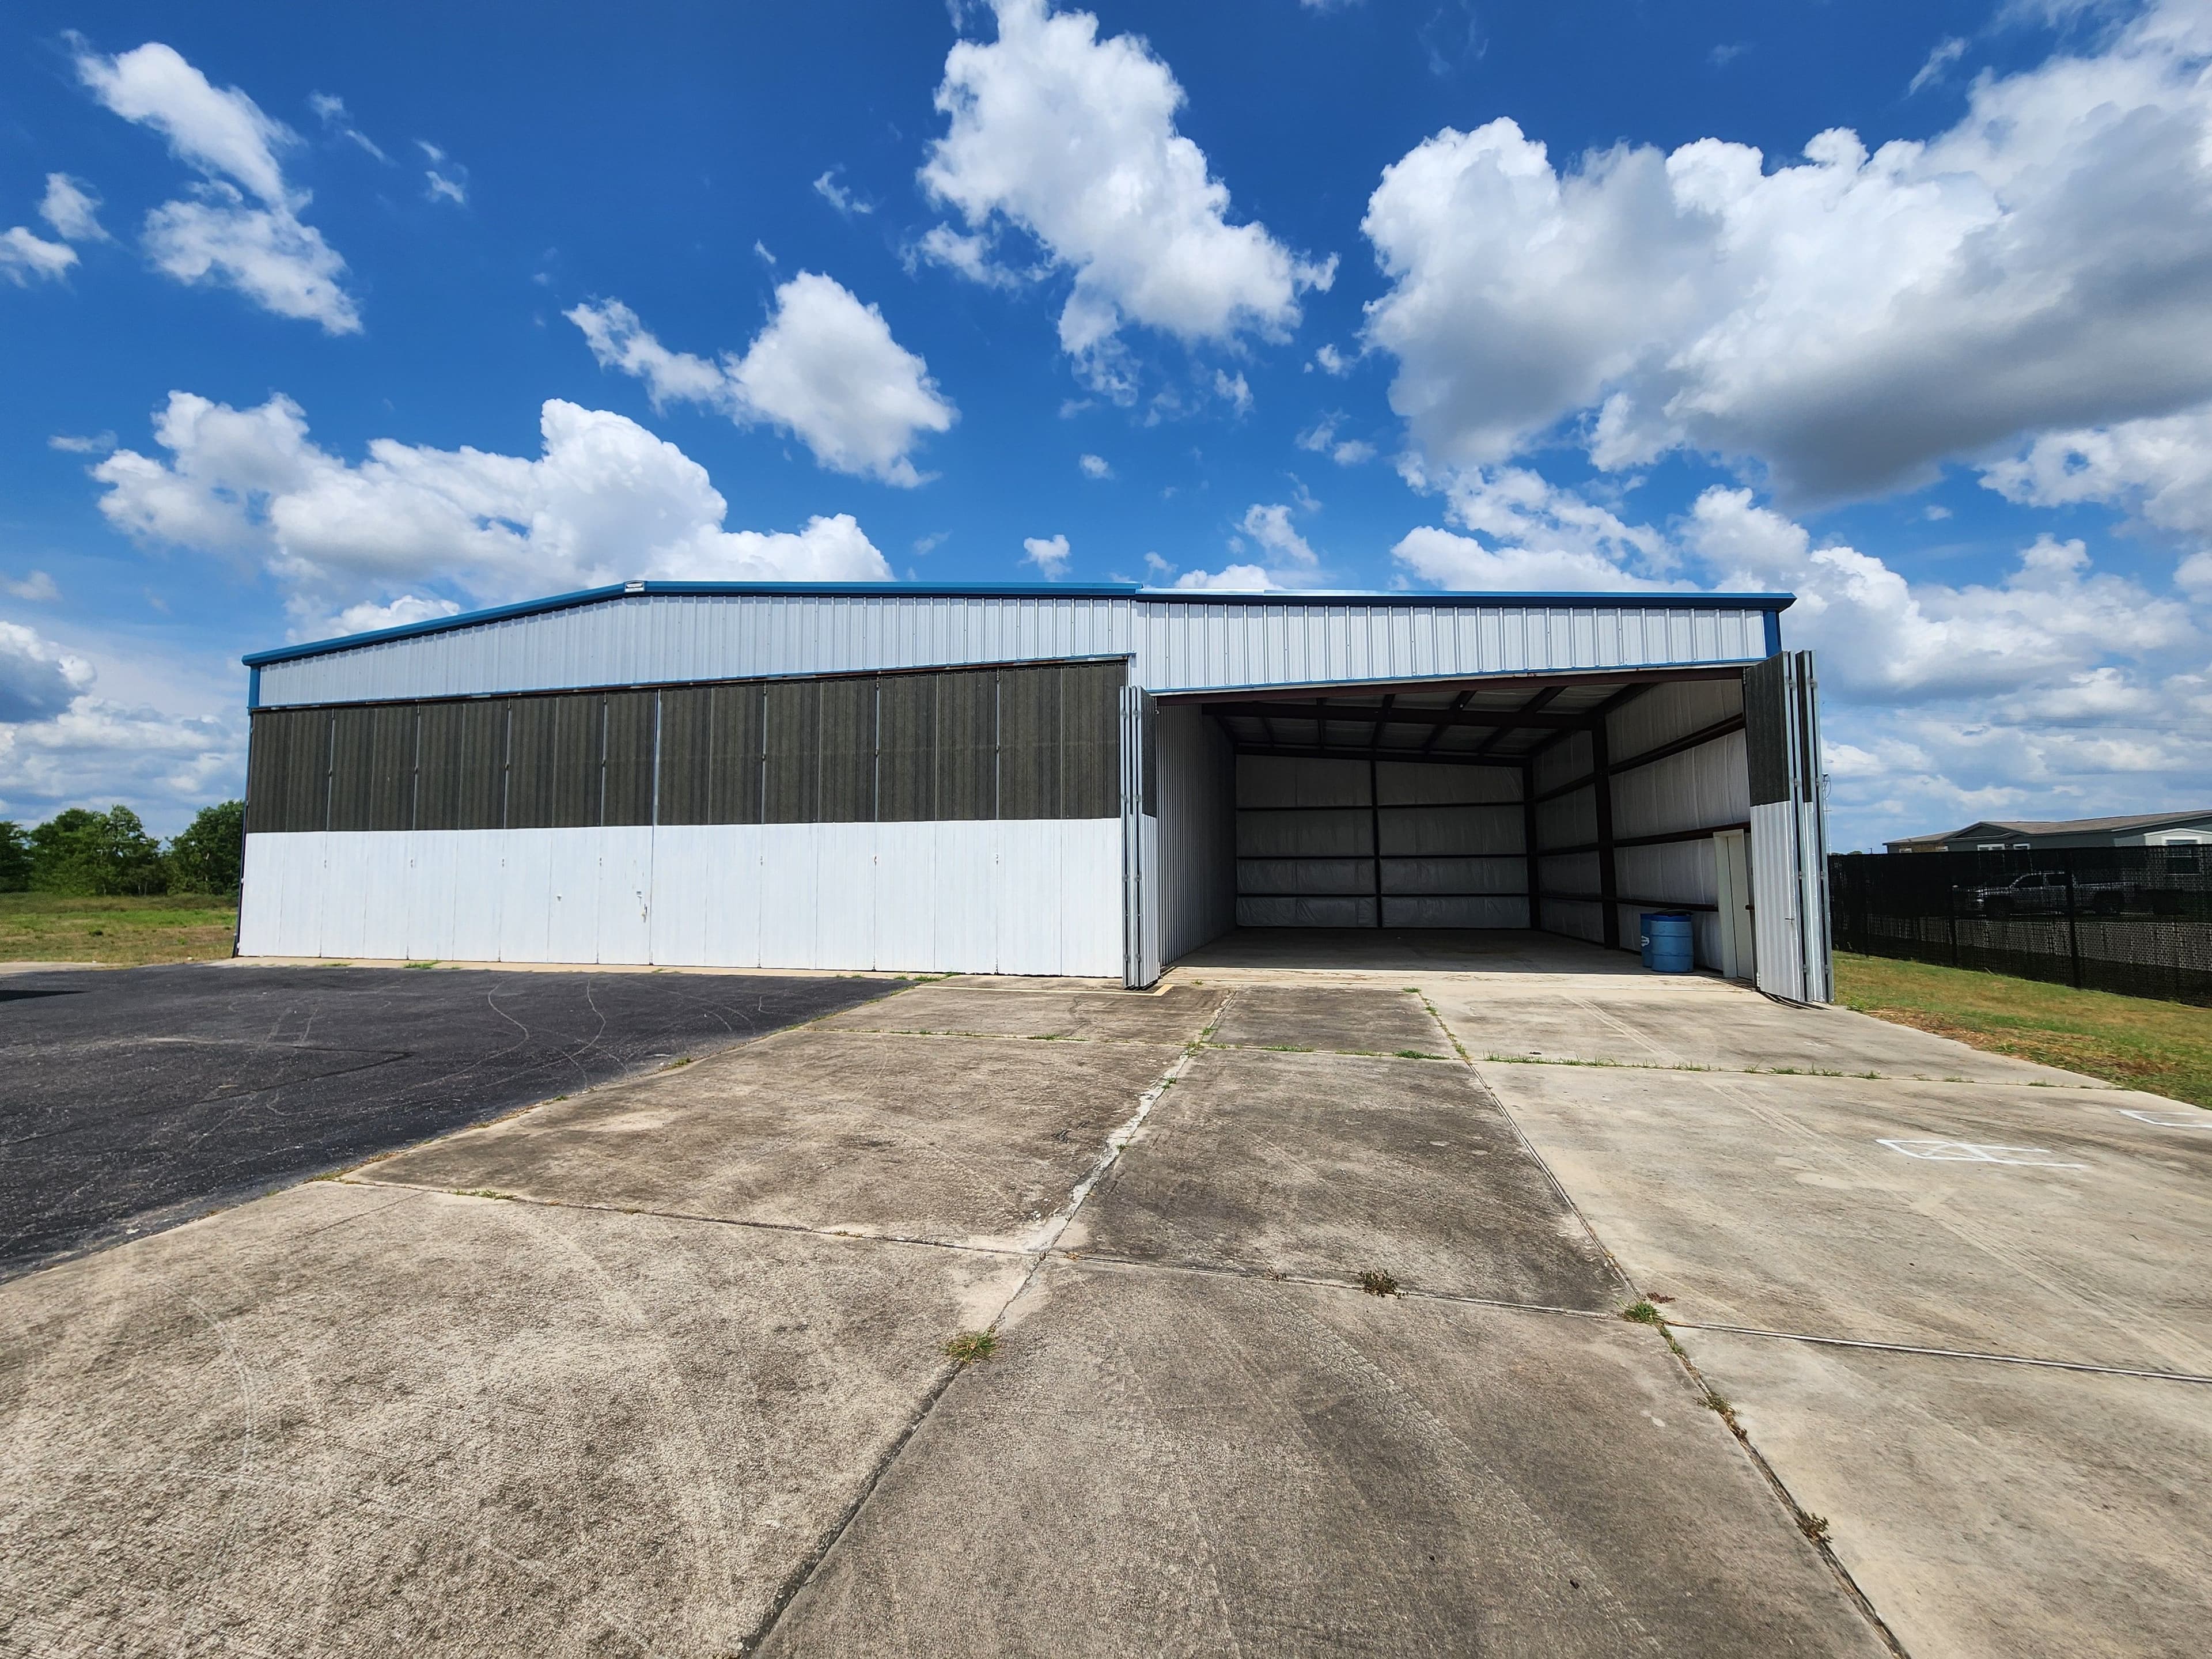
(627, 784)
(793, 773)
(1029, 743)
(687, 755)
(967, 745)
(1090, 740)
(554, 747)
(288, 772)
(373, 767)
(848, 751)
(648, 639)
(710, 755)
(461, 776)
(906, 744)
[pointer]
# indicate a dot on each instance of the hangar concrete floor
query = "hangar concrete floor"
(660, 1366)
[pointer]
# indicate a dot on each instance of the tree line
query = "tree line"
(84, 854)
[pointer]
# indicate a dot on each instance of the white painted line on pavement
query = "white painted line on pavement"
(1975, 1151)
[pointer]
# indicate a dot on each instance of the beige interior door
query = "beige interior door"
(1732, 866)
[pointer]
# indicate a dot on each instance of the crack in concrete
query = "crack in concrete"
(1919, 1351)
(1041, 1246)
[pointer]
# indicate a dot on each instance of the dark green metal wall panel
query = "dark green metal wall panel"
(628, 785)
(1090, 740)
(1041, 742)
(373, 767)
(553, 761)
(906, 747)
(1029, 743)
(848, 751)
(460, 774)
(687, 755)
(793, 772)
(288, 771)
(967, 744)
(740, 712)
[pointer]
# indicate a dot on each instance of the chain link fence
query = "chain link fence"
(2134, 920)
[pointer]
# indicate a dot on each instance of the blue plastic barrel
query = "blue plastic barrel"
(1668, 945)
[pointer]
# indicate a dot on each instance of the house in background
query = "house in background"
(2141, 829)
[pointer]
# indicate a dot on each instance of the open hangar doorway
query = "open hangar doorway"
(1561, 805)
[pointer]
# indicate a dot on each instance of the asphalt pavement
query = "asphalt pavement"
(137, 1098)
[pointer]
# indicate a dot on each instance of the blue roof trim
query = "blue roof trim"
(1770, 603)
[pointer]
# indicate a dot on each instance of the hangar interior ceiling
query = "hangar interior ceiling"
(1483, 723)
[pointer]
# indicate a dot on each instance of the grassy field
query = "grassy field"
(122, 932)
(2163, 1046)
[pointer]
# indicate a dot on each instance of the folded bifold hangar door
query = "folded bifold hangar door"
(1788, 837)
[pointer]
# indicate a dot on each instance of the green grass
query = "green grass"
(118, 931)
(970, 1347)
(2165, 1048)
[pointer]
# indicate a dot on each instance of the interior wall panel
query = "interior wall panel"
(1197, 788)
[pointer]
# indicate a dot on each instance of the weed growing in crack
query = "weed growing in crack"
(677, 1064)
(1643, 1313)
(1376, 1282)
(968, 1346)
(1815, 1526)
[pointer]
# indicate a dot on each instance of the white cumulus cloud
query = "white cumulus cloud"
(25, 254)
(36, 586)
(825, 369)
(1844, 321)
(2158, 470)
(240, 226)
(410, 526)
(1072, 141)
(37, 678)
(72, 208)
(1050, 554)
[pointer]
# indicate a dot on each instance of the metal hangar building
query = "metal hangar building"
(1083, 781)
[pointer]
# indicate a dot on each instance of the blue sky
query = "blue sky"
(313, 318)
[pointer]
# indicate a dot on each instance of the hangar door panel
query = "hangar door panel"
(1788, 837)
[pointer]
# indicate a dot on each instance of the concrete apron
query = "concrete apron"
(1931, 1304)
(661, 1367)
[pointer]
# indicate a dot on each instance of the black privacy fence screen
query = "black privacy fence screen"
(2134, 920)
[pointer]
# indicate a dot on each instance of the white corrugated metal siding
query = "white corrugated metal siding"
(653, 638)
(992, 896)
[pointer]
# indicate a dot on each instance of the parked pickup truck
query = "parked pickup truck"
(2043, 893)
